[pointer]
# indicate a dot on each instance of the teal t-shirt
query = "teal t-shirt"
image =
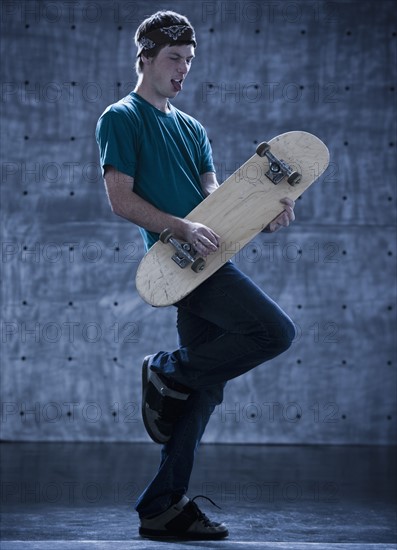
(165, 153)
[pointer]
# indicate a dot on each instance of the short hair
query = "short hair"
(162, 18)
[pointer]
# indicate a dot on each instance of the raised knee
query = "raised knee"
(281, 335)
(288, 334)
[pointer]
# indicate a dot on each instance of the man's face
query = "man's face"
(166, 72)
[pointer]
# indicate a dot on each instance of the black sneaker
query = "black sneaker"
(162, 405)
(183, 521)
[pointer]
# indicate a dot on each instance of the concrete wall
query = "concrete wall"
(74, 330)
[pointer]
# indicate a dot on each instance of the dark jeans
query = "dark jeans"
(226, 327)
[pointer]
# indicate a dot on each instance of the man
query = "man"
(157, 166)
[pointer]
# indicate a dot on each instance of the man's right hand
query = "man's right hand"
(204, 239)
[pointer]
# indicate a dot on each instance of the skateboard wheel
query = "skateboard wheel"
(198, 265)
(165, 236)
(294, 178)
(262, 149)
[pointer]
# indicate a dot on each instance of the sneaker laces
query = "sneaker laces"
(200, 515)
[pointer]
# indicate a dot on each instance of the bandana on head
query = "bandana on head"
(166, 35)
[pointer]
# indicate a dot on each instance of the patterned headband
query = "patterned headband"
(166, 35)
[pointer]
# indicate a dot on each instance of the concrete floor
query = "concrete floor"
(81, 495)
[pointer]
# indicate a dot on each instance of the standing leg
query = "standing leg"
(177, 455)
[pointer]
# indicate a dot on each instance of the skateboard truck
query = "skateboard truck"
(184, 252)
(278, 168)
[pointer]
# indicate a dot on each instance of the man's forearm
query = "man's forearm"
(130, 206)
(137, 210)
(209, 183)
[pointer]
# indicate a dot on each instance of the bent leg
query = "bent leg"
(251, 329)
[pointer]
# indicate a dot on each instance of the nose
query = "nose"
(184, 67)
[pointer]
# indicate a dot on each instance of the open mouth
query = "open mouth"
(177, 84)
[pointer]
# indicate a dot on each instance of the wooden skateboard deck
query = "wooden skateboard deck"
(239, 209)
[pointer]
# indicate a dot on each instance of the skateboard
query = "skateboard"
(242, 206)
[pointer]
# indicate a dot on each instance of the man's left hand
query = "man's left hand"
(284, 219)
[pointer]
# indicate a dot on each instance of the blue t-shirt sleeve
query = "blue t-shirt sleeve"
(207, 163)
(116, 136)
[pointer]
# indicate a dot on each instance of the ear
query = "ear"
(146, 60)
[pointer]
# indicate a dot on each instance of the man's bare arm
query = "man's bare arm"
(208, 183)
(127, 204)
